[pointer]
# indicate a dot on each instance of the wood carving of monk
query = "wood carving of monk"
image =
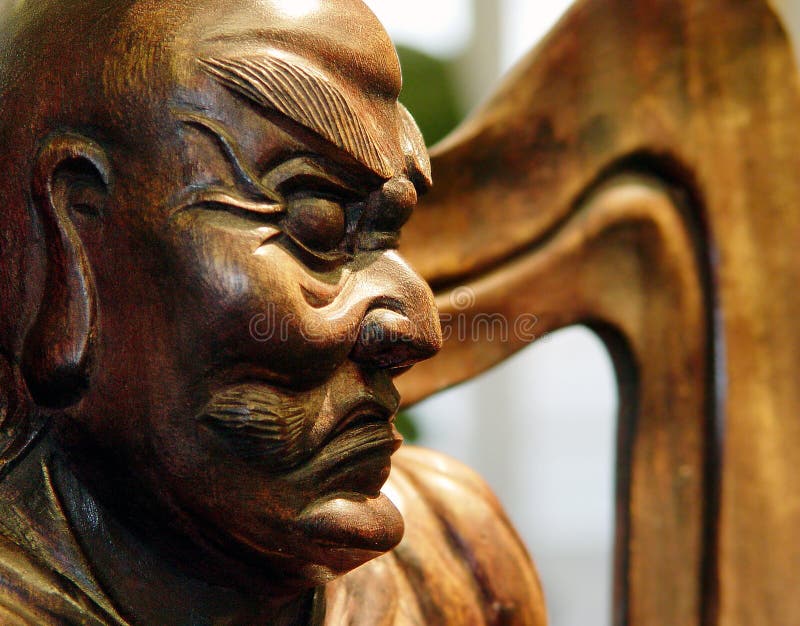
(202, 310)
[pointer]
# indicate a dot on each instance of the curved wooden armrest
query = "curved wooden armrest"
(638, 172)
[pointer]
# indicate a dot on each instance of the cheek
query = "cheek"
(254, 302)
(225, 481)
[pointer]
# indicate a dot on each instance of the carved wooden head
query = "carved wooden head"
(201, 287)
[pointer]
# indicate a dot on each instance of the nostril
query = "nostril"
(383, 325)
(388, 339)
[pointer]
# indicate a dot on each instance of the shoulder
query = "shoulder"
(457, 530)
(44, 577)
(441, 476)
(32, 593)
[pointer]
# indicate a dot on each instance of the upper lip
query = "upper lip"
(365, 411)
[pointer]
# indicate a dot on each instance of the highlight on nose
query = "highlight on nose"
(391, 340)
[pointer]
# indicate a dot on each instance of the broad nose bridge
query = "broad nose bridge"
(401, 325)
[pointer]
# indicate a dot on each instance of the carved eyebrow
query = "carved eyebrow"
(303, 95)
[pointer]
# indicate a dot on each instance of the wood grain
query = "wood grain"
(638, 172)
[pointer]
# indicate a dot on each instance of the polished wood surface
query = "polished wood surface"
(637, 172)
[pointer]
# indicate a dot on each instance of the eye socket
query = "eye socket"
(315, 223)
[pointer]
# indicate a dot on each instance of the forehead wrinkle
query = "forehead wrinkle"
(304, 96)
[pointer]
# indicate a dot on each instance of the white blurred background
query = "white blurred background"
(541, 427)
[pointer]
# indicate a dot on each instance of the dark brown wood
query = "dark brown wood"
(202, 311)
(638, 173)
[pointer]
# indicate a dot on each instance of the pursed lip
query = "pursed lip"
(355, 454)
(363, 413)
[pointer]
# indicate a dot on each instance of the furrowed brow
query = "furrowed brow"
(303, 95)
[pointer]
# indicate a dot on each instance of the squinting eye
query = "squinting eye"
(317, 224)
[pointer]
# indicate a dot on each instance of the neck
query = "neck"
(149, 587)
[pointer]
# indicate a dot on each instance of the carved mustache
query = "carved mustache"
(260, 423)
(269, 426)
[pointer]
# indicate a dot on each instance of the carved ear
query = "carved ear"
(70, 177)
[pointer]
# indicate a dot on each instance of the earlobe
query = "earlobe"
(70, 175)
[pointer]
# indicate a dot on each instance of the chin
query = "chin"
(346, 531)
(332, 536)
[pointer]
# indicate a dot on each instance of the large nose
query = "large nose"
(402, 327)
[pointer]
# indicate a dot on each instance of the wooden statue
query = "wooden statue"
(202, 310)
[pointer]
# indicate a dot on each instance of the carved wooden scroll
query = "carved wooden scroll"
(638, 172)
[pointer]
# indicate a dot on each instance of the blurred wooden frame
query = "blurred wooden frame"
(639, 172)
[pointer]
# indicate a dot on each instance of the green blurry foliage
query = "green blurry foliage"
(429, 94)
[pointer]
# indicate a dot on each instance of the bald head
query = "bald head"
(342, 37)
(328, 66)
